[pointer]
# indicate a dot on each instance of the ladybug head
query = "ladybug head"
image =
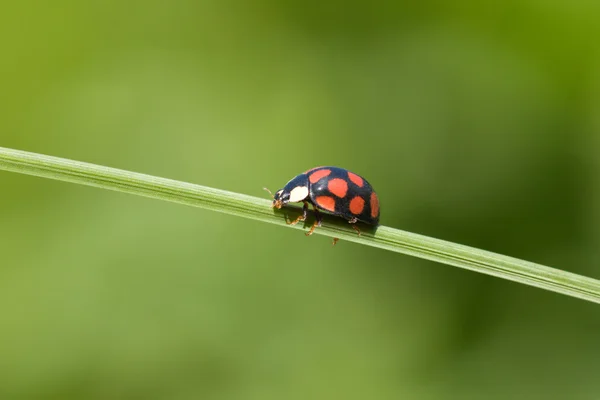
(281, 198)
(294, 191)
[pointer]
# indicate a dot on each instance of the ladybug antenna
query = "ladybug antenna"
(269, 192)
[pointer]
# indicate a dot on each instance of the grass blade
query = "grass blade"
(260, 209)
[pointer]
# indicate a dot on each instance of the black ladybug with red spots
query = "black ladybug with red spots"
(331, 189)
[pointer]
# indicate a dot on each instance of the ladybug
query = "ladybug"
(332, 189)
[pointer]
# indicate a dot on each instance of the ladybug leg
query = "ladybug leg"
(301, 217)
(313, 227)
(317, 222)
(353, 221)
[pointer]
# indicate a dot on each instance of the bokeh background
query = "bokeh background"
(476, 123)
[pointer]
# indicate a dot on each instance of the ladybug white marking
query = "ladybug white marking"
(298, 193)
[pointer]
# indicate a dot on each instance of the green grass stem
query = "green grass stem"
(260, 209)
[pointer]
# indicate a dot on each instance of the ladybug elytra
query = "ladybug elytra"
(332, 189)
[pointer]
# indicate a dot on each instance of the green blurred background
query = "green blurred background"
(475, 123)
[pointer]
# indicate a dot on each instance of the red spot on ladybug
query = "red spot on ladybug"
(338, 186)
(358, 181)
(357, 205)
(317, 175)
(326, 202)
(374, 205)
